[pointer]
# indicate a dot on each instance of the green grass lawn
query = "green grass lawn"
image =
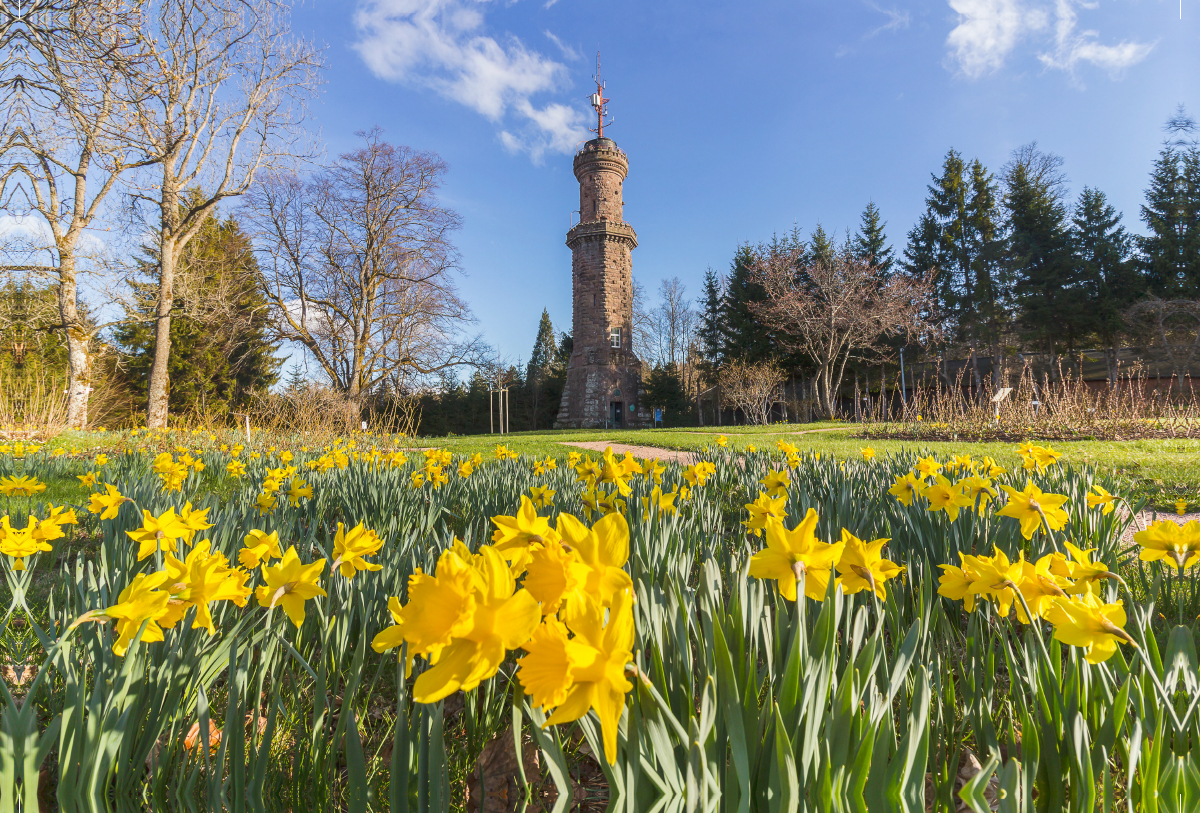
(1162, 470)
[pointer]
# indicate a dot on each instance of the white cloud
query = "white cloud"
(898, 19)
(439, 44)
(567, 51)
(1071, 48)
(989, 30)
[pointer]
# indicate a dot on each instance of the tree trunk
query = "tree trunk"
(159, 386)
(79, 378)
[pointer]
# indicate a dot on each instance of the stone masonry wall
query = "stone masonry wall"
(602, 283)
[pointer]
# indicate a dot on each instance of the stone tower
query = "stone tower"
(603, 376)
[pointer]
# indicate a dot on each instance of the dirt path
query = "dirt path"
(766, 434)
(643, 452)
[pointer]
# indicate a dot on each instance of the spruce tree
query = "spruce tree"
(1103, 252)
(1052, 305)
(820, 245)
(538, 371)
(710, 332)
(870, 243)
(744, 336)
(962, 210)
(1171, 252)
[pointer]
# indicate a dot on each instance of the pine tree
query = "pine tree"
(220, 354)
(1103, 253)
(1171, 252)
(870, 243)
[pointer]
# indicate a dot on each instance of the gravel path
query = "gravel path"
(643, 452)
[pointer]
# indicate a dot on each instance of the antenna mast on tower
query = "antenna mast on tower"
(599, 103)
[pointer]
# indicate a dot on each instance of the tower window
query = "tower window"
(614, 337)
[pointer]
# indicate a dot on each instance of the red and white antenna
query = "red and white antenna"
(599, 103)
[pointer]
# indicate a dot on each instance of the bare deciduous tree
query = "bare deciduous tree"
(65, 144)
(838, 308)
(219, 97)
(751, 387)
(671, 323)
(358, 266)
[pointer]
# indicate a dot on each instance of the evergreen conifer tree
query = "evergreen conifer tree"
(220, 356)
(870, 243)
(1103, 252)
(710, 332)
(539, 370)
(820, 245)
(1053, 307)
(1171, 251)
(744, 335)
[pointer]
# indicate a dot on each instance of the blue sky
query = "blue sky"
(739, 119)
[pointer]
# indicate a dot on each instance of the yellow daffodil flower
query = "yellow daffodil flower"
(514, 534)
(289, 584)
(1085, 621)
(350, 548)
(955, 583)
(862, 566)
(542, 497)
(867, 452)
(927, 467)
(22, 486)
(1101, 499)
(654, 470)
(1080, 568)
(1030, 505)
(87, 480)
(143, 600)
(1170, 540)
(794, 555)
(978, 492)
(20, 543)
(763, 511)
(500, 619)
(906, 487)
(584, 672)
(159, 533)
(259, 547)
(206, 578)
(775, 483)
(603, 551)
(942, 495)
(265, 503)
(298, 488)
(554, 573)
